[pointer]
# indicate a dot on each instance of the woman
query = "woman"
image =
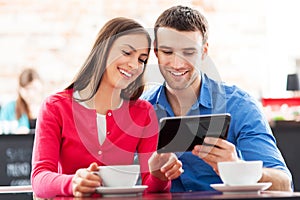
(99, 120)
(21, 113)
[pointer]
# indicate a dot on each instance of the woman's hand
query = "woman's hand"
(165, 166)
(85, 181)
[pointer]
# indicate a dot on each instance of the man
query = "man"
(181, 45)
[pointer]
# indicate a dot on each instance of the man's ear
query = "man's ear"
(155, 47)
(205, 51)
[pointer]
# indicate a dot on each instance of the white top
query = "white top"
(101, 119)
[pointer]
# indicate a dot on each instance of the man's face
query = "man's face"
(180, 54)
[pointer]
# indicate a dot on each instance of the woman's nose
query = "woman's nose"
(134, 63)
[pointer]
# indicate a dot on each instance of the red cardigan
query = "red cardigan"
(66, 140)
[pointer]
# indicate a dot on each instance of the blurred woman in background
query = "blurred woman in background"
(19, 116)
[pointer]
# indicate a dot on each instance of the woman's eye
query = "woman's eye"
(124, 52)
(143, 61)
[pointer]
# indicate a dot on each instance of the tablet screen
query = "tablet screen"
(180, 134)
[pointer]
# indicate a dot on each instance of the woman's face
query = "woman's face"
(126, 60)
(32, 92)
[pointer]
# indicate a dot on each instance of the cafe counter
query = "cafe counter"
(287, 134)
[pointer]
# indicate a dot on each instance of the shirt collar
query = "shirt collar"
(205, 96)
(162, 101)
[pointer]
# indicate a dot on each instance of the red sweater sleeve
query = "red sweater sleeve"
(46, 181)
(146, 147)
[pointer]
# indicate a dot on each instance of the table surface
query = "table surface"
(199, 195)
(25, 192)
(161, 196)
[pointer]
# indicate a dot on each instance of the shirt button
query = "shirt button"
(108, 133)
(109, 114)
(99, 152)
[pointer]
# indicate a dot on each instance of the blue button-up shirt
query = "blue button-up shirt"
(249, 131)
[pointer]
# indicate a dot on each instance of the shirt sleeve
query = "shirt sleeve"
(46, 181)
(254, 137)
(8, 113)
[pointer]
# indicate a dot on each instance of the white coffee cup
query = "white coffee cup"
(240, 172)
(119, 175)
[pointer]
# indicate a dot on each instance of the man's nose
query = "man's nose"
(178, 61)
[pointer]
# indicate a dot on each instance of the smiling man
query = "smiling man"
(181, 45)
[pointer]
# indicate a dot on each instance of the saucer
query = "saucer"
(124, 191)
(253, 188)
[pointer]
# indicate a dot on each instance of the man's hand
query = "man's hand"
(165, 166)
(85, 182)
(215, 150)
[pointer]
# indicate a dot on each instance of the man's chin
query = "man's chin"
(177, 86)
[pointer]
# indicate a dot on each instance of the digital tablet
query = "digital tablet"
(180, 134)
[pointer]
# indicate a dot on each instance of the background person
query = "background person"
(99, 120)
(181, 45)
(20, 114)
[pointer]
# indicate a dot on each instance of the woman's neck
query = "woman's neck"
(106, 98)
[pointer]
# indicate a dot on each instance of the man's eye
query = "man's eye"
(188, 53)
(126, 53)
(167, 52)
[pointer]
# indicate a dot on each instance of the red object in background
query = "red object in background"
(295, 101)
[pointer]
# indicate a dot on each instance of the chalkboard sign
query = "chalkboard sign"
(16, 196)
(15, 164)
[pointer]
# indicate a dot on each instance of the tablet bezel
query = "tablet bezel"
(186, 140)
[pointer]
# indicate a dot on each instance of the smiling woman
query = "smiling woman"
(100, 118)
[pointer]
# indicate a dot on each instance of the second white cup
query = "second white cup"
(241, 172)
